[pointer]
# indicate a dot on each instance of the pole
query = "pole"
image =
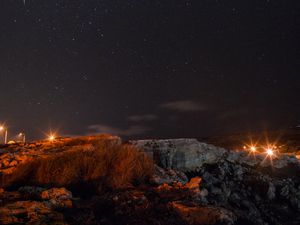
(5, 137)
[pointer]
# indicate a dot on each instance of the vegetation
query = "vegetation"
(97, 168)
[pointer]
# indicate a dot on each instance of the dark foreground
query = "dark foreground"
(206, 185)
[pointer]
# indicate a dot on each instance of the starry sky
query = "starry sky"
(149, 69)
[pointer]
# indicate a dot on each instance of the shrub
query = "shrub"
(103, 166)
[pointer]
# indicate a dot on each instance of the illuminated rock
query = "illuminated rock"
(34, 205)
(200, 215)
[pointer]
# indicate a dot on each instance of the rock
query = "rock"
(177, 191)
(34, 205)
(181, 154)
(59, 197)
(168, 176)
(29, 212)
(202, 215)
(193, 185)
(284, 191)
(271, 191)
(31, 191)
(2, 151)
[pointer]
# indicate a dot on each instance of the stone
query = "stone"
(59, 197)
(271, 191)
(29, 212)
(30, 190)
(202, 215)
(181, 154)
(169, 176)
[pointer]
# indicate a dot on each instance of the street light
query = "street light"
(23, 136)
(270, 152)
(253, 149)
(51, 137)
(2, 128)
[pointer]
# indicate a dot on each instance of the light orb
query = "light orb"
(51, 138)
(270, 152)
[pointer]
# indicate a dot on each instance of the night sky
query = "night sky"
(145, 69)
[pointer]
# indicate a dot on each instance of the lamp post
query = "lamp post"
(23, 136)
(5, 133)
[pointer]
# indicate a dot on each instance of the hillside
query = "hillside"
(100, 180)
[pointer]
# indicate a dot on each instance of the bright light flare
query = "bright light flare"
(1, 128)
(51, 137)
(270, 152)
(253, 149)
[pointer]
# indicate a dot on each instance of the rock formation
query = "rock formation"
(255, 188)
(180, 154)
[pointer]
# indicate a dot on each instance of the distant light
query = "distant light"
(245, 147)
(1, 128)
(51, 138)
(253, 149)
(270, 152)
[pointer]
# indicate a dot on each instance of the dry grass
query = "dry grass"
(104, 166)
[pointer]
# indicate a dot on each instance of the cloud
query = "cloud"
(184, 106)
(140, 118)
(130, 131)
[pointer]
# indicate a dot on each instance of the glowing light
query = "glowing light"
(51, 137)
(23, 136)
(270, 152)
(4, 129)
(253, 149)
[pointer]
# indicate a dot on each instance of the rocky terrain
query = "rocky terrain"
(191, 183)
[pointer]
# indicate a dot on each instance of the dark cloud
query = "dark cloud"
(184, 106)
(140, 118)
(133, 130)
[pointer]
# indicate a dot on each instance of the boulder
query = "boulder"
(181, 154)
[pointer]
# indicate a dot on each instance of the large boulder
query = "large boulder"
(181, 154)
